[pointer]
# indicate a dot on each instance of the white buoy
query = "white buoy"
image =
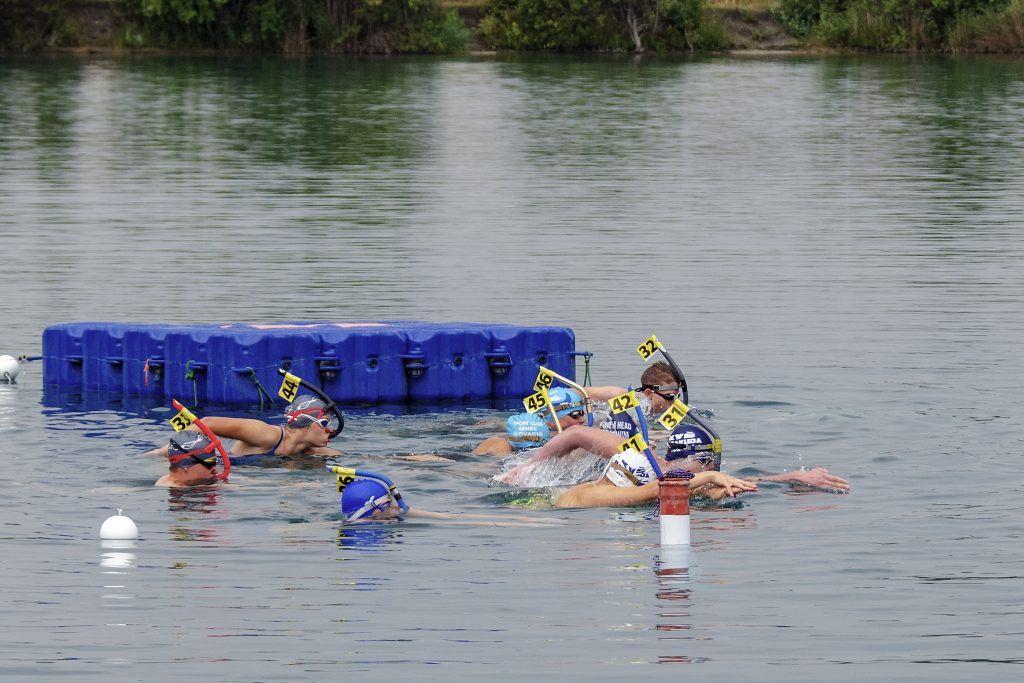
(8, 368)
(119, 528)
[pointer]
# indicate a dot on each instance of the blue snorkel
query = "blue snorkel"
(629, 404)
(348, 475)
(642, 422)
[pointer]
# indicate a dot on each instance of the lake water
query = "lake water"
(830, 246)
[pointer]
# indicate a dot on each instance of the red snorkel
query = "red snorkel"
(184, 419)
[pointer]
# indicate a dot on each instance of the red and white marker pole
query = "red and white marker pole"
(674, 497)
(674, 503)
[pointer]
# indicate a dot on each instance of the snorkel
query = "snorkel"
(348, 475)
(545, 380)
(184, 419)
(647, 349)
(289, 389)
(629, 403)
(679, 409)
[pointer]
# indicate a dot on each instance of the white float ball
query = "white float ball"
(8, 368)
(119, 528)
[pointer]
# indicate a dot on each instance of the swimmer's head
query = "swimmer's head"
(306, 411)
(190, 448)
(629, 468)
(364, 497)
(567, 403)
(691, 441)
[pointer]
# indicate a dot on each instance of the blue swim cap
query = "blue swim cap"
(360, 498)
(565, 401)
(526, 431)
(691, 441)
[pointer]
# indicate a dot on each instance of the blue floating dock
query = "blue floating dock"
(352, 361)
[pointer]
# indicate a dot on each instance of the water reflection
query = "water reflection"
(672, 567)
(368, 537)
(192, 504)
(118, 564)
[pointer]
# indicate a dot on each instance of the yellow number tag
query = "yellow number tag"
(346, 475)
(624, 402)
(647, 349)
(671, 418)
(635, 442)
(183, 420)
(535, 402)
(545, 380)
(289, 387)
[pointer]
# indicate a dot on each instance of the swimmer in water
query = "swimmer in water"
(372, 497)
(307, 432)
(690, 447)
(529, 430)
(192, 461)
(629, 480)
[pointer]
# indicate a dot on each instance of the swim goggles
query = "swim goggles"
(324, 422)
(209, 462)
(372, 506)
(667, 392)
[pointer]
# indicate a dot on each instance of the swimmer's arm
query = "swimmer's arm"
(249, 431)
(160, 452)
(425, 457)
(483, 520)
(592, 439)
(604, 393)
(322, 450)
(591, 495)
(495, 445)
(819, 477)
(597, 441)
(718, 485)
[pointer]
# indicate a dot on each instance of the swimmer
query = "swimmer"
(659, 388)
(371, 497)
(192, 459)
(629, 480)
(606, 444)
(307, 432)
(690, 447)
(529, 430)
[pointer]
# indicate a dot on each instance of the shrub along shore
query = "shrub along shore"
(458, 26)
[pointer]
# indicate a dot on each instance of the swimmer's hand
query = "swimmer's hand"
(515, 476)
(818, 477)
(718, 485)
